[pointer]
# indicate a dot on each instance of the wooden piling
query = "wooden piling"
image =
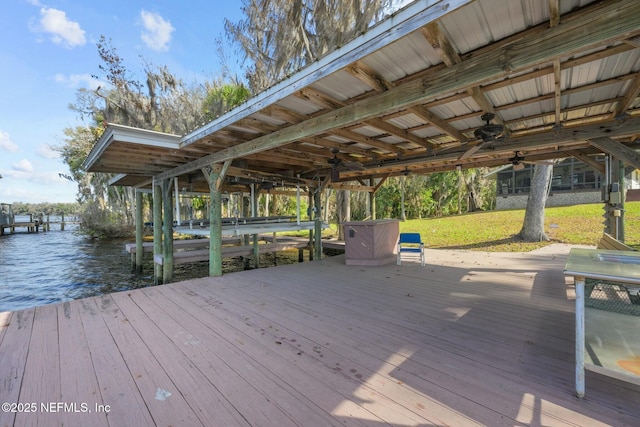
(167, 232)
(139, 229)
(157, 228)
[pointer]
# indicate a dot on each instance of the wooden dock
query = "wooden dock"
(471, 339)
(35, 225)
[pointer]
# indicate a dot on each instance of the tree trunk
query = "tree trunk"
(403, 215)
(533, 227)
(343, 202)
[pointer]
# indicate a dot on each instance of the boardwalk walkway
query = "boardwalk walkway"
(470, 339)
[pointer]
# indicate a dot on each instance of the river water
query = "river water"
(55, 266)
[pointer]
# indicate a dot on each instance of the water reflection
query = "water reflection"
(48, 267)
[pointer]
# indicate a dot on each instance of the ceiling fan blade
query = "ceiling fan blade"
(471, 151)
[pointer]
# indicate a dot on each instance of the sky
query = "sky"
(48, 51)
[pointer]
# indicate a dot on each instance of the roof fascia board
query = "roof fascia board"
(384, 33)
(131, 135)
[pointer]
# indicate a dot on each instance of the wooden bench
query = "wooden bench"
(611, 243)
(185, 244)
(608, 242)
(184, 257)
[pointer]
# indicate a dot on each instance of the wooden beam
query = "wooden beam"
(617, 150)
(364, 73)
(629, 97)
(222, 174)
(167, 231)
(554, 13)
(441, 44)
(436, 121)
(350, 187)
(157, 228)
(402, 23)
(394, 130)
(554, 21)
(633, 41)
(215, 220)
(379, 184)
(557, 93)
(561, 41)
(379, 84)
(362, 139)
(450, 57)
(550, 142)
(584, 158)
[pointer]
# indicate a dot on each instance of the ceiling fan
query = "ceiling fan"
(487, 134)
(518, 161)
(338, 164)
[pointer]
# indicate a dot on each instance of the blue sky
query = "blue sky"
(48, 51)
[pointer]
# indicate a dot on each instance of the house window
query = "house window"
(568, 175)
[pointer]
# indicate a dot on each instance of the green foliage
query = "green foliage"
(222, 98)
(100, 223)
(438, 194)
(20, 208)
(198, 203)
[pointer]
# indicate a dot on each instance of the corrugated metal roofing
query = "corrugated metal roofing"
(328, 106)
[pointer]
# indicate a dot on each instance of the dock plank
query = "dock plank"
(13, 357)
(42, 373)
(172, 350)
(382, 406)
(231, 372)
(158, 391)
(117, 386)
(282, 362)
(78, 381)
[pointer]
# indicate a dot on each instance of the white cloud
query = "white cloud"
(75, 81)
(63, 31)
(6, 144)
(23, 165)
(156, 33)
(47, 152)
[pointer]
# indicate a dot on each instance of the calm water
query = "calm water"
(44, 268)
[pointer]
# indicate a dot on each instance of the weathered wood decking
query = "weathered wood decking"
(470, 339)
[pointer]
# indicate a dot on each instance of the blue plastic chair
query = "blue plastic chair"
(410, 243)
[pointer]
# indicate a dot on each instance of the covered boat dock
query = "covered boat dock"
(439, 85)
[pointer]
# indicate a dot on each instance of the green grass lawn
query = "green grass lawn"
(496, 230)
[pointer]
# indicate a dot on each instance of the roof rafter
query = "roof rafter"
(434, 35)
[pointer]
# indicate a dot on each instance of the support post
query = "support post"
(157, 229)
(167, 233)
(139, 227)
(215, 221)
(318, 226)
(623, 193)
(580, 339)
(311, 209)
(254, 213)
(246, 206)
(177, 194)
